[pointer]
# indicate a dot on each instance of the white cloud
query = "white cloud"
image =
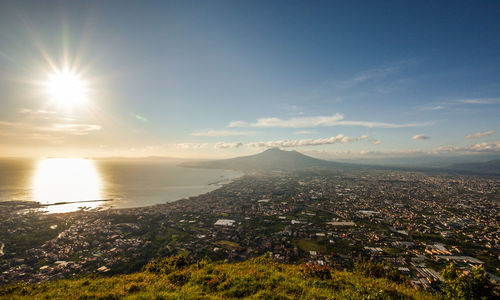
(191, 145)
(318, 121)
(23, 130)
(420, 137)
(446, 149)
(485, 146)
(480, 101)
(306, 142)
(238, 124)
(390, 152)
(479, 135)
(20, 133)
(37, 112)
(223, 145)
(79, 129)
(299, 122)
(376, 142)
(304, 132)
(49, 121)
(211, 132)
(461, 102)
(381, 124)
(472, 149)
(434, 107)
(469, 149)
(376, 74)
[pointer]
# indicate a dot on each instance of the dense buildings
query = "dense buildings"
(416, 221)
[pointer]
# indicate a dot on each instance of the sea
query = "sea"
(71, 184)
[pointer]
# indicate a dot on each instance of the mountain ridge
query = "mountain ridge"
(488, 167)
(277, 159)
(270, 159)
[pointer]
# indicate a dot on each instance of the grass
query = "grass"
(310, 245)
(253, 279)
(228, 245)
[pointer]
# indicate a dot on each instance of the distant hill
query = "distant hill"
(277, 159)
(271, 159)
(489, 167)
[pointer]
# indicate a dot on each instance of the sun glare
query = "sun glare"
(66, 89)
(71, 180)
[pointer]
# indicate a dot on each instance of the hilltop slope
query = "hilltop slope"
(256, 279)
(271, 159)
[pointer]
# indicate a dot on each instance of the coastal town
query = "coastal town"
(418, 222)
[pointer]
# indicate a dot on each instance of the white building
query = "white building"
(224, 222)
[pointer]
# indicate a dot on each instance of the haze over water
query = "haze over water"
(129, 183)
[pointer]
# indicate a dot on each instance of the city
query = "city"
(275, 150)
(418, 222)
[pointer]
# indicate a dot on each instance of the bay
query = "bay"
(70, 184)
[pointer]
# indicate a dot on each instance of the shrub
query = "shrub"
(167, 265)
(265, 260)
(132, 288)
(178, 279)
(379, 270)
(473, 285)
(316, 271)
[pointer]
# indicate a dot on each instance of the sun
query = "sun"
(66, 89)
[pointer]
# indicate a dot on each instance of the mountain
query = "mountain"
(490, 167)
(277, 159)
(271, 159)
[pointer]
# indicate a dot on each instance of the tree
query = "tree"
(167, 265)
(467, 285)
(379, 270)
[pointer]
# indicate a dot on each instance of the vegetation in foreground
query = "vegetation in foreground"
(260, 278)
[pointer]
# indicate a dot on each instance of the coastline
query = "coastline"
(31, 206)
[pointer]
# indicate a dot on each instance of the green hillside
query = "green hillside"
(260, 278)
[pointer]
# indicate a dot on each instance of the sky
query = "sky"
(213, 79)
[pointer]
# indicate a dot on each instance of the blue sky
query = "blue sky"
(338, 80)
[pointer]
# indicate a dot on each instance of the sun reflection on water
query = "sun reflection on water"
(57, 180)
